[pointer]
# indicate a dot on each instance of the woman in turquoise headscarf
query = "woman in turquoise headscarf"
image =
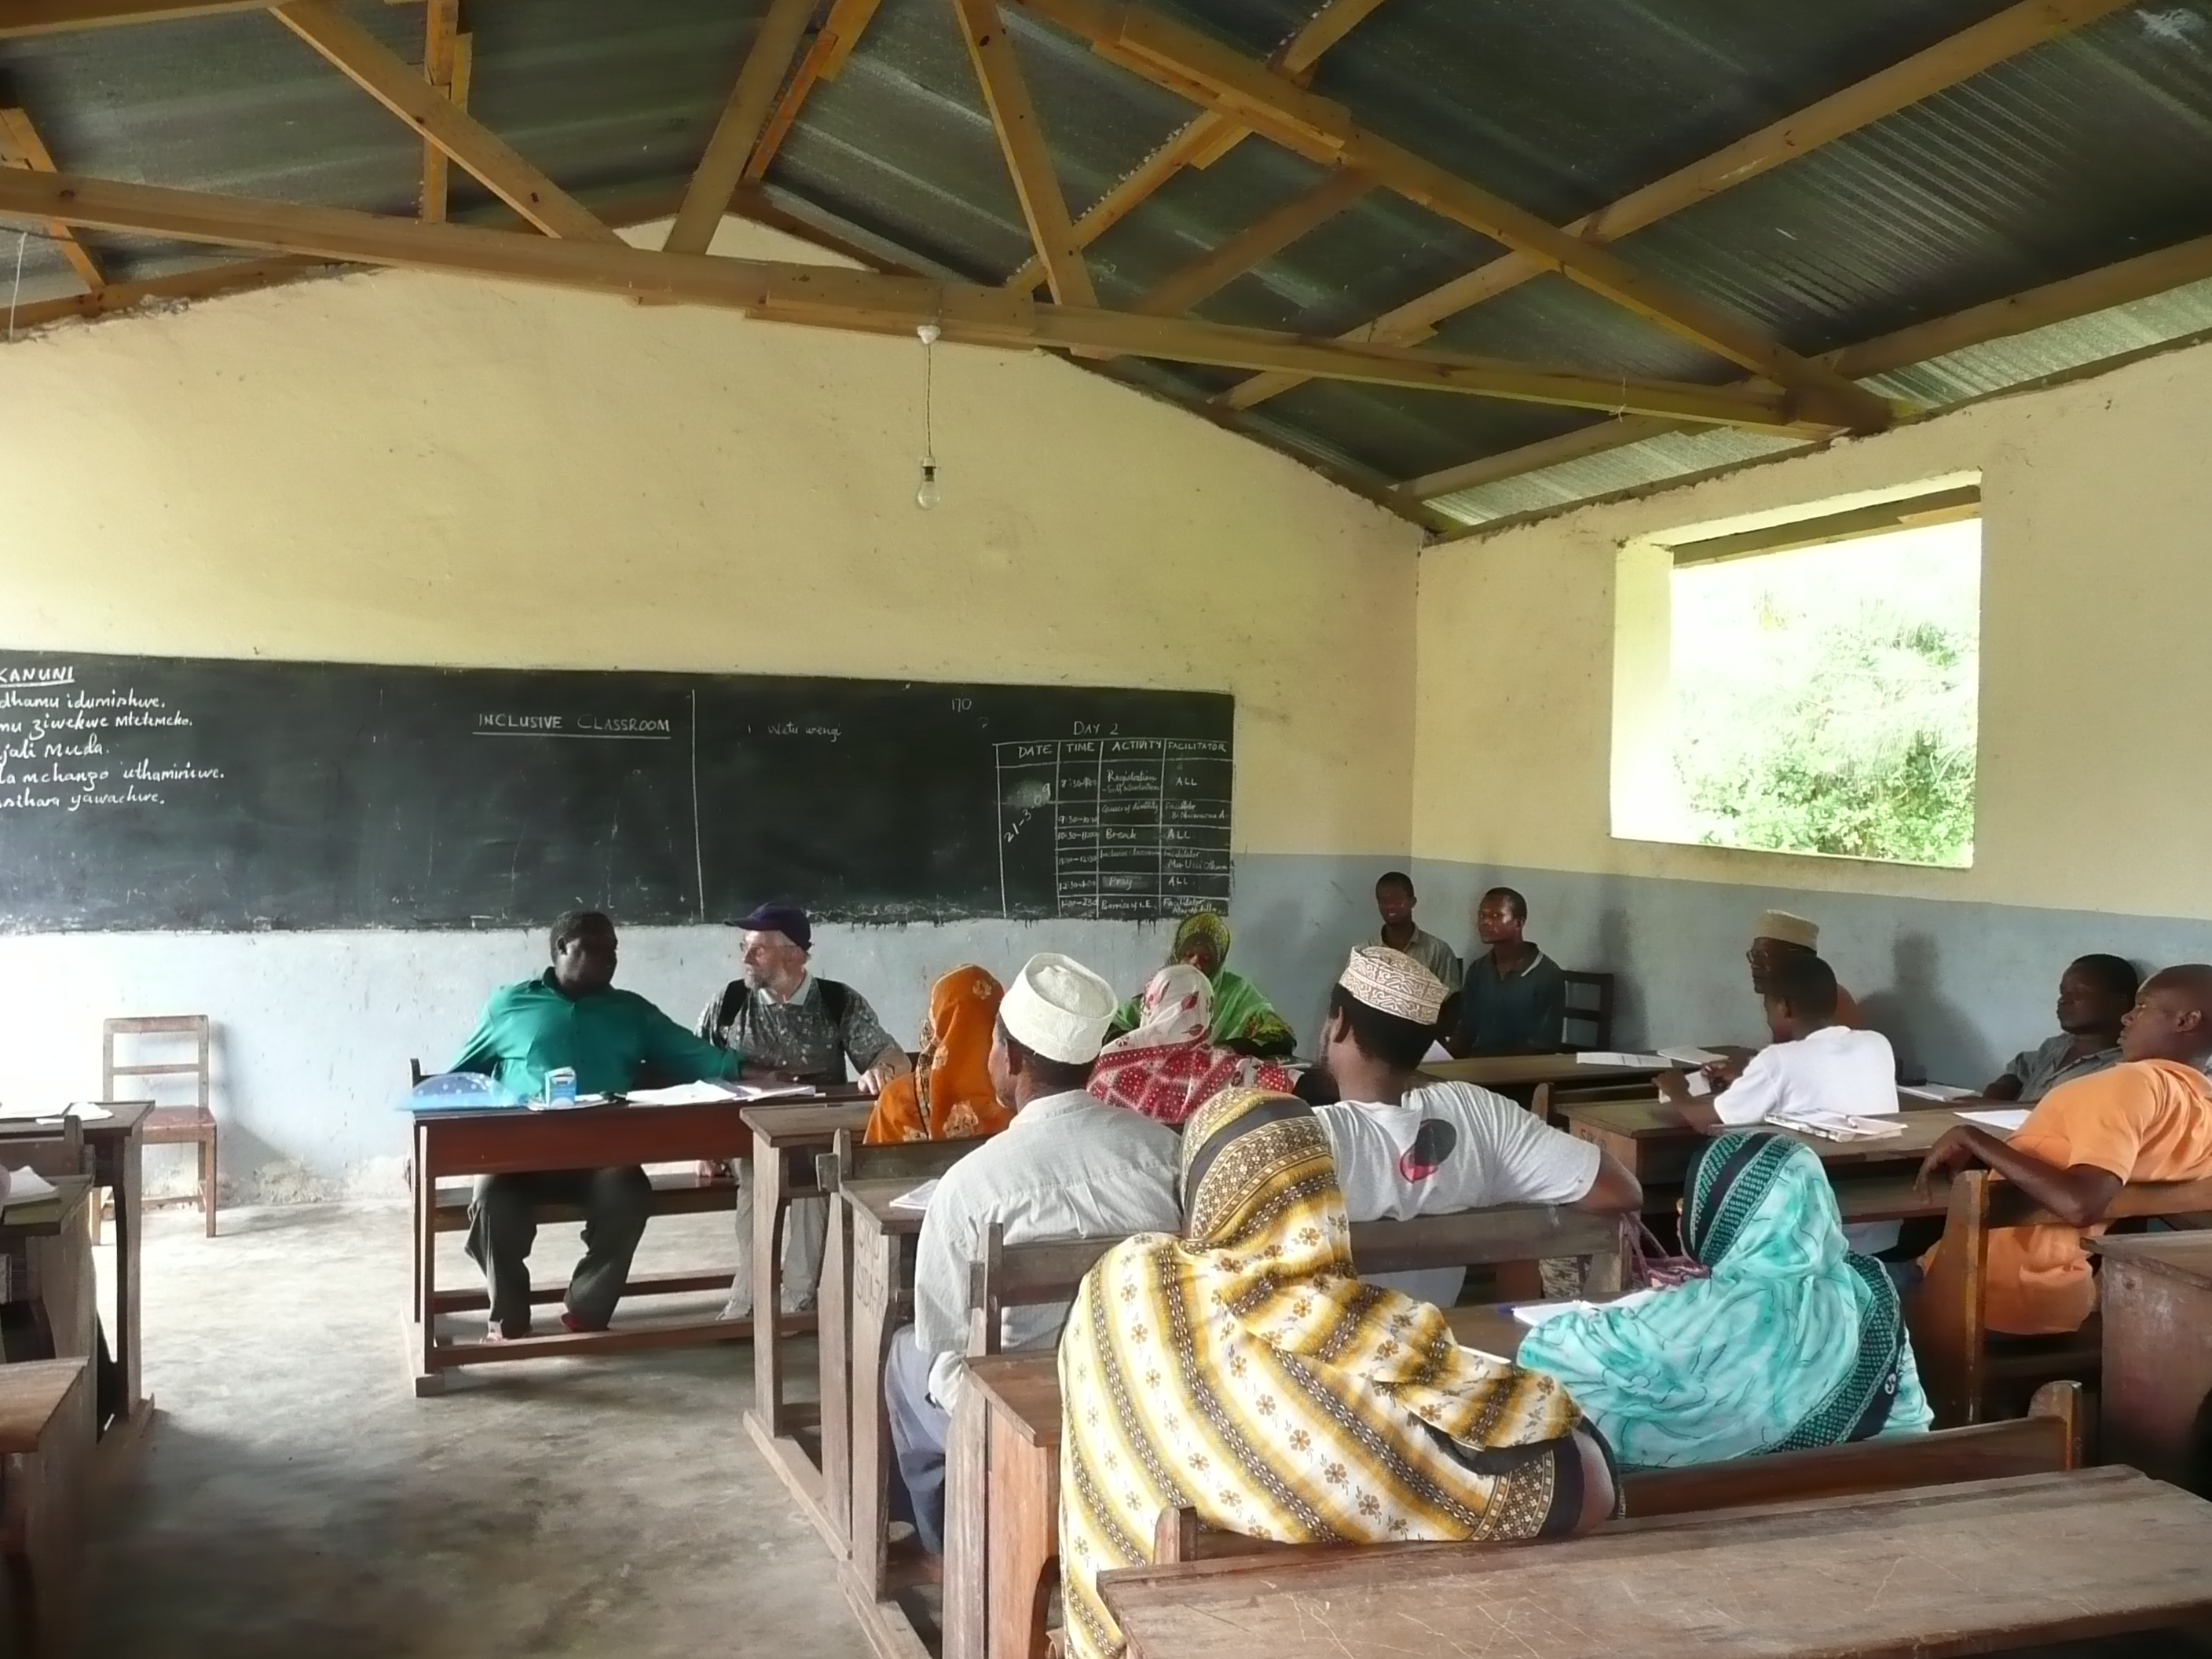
(1788, 1341)
(1242, 1019)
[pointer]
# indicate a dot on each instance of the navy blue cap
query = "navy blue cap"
(787, 920)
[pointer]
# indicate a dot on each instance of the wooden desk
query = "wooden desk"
(1508, 1073)
(1977, 1568)
(1002, 1522)
(1650, 1138)
(117, 1143)
(54, 1237)
(881, 1277)
(787, 1137)
(45, 1453)
(514, 1139)
(2156, 1294)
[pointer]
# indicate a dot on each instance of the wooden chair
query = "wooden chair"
(171, 1126)
(1589, 1007)
(1023, 1276)
(45, 1458)
(1965, 1376)
(2048, 1440)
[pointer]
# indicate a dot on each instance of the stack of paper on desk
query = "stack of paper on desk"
(2005, 1119)
(1839, 1127)
(1614, 1057)
(26, 1187)
(1940, 1091)
(918, 1199)
(1691, 1056)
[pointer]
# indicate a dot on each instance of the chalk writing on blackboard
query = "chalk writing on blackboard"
(1140, 826)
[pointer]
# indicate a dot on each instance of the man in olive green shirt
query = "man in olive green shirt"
(572, 1016)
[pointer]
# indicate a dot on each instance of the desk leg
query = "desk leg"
(427, 1380)
(130, 1238)
(834, 1336)
(767, 1285)
(875, 1269)
(1024, 1530)
(967, 1493)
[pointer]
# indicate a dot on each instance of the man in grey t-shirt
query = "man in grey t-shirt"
(2094, 995)
(787, 1023)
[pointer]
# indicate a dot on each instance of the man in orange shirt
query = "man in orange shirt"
(2148, 1118)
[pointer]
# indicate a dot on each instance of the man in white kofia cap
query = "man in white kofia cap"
(1405, 1148)
(1777, 936)
(1068, 1166)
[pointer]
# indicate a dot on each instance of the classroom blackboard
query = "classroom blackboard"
(185, 793)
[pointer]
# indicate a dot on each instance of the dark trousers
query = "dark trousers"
(919, 1428)
(503, 1224)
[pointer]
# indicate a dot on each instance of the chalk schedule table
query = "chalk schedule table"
(1114, 828)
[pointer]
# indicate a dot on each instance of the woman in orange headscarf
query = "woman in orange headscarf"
(948, 1096)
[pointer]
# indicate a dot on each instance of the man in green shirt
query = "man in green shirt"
(572, 1016)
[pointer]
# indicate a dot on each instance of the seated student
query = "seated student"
(2094, 995)
(1393, 899)
(949, 1096)
(1514, 1000)
(790, 1024)
(2148, 1118)
(1404, 1150)
(1787, 1342)
(572, 1016)
(1815, 1064)
(1242, 1019)
(1245, 1370)
(1776, 938)
(1066, 1167)
(1166, 1068)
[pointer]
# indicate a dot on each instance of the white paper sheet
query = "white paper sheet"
(1935, 1092)
(2007, 1119)
(684, 1094)
(1534, 1314)
(26, 1187)
(918, 1199)
(1691, 1056)
(86, 1111)
(1436, 1051)
(1840, 1127)
(1615, 1057)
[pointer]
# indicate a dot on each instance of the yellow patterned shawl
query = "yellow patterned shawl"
(1245, 1370)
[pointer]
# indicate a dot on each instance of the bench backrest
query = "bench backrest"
(1950, 1337)
(912, 1160)
(1024, 1275)
(2049, 1439)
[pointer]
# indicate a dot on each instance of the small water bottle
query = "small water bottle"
(561, 1087)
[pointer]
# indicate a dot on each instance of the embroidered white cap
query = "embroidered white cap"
(1392, 982)
(1786, 929)
(1059, 1008)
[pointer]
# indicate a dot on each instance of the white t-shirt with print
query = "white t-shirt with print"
(1447, 1147)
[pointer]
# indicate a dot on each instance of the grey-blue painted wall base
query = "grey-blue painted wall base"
(1959, 988)
(313, 1030)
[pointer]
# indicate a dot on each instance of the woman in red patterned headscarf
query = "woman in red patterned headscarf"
(1166, 1068)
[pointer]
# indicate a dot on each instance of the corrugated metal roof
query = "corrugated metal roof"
(2071, 155)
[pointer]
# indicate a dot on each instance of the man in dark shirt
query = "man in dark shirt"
(572, 1016)
(1514, 1001)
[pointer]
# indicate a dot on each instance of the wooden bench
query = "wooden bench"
(1964, 1376)
(46, 1459)
(2049, 1439)
(1002, 1475)
(1988, 1566)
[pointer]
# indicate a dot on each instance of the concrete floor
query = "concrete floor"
(294, 1498)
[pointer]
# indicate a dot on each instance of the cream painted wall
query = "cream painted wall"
(403, 468)
(2093, 791)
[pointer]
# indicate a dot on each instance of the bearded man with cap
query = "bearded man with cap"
(1404, 1147)
(787, 1023)
(1777, 936)
(1068, 1166)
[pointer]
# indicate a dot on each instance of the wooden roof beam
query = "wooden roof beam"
(378, 71)
(715, 180)
(1183, 60)
(2140, 277)
(441, 30)
(21, 147)
(1255, 244)
(1013, 116)
(1206, 140)
(818, 296)
(53, 16)
(1949, 61)
(832, 45)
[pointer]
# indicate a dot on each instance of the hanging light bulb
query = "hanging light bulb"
(925, 495)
